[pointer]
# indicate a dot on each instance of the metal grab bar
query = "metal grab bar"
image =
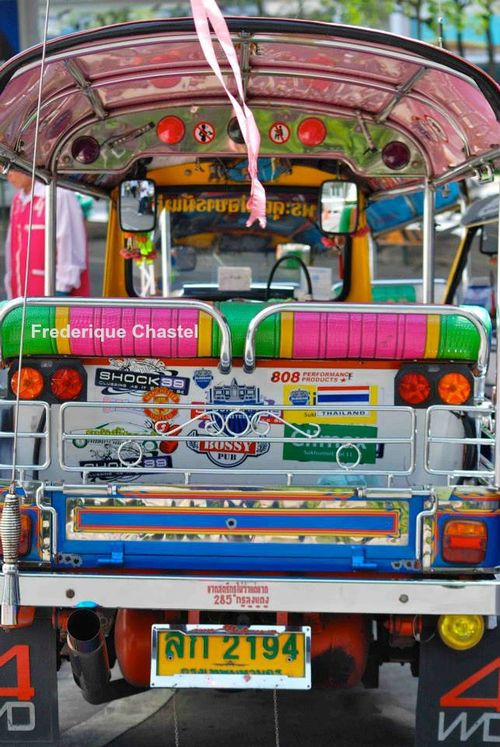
(225, 360)
(352, 308)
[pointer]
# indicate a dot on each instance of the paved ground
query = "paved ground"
(361, 718)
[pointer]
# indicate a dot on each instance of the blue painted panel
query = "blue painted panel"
(237, 554)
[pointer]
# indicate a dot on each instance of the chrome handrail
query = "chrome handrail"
(225, 359)
(352, 308)
(251, 434)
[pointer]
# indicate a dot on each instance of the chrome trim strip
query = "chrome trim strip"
(404, 596)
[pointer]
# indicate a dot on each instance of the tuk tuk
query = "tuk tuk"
(222, 480)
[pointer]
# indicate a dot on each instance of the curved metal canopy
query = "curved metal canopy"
(368, 88)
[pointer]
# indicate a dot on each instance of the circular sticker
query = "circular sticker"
(160, 395)
(204, 133)
(279, 133)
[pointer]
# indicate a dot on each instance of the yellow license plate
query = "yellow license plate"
(258, 656)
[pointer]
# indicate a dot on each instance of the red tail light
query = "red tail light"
(414, 388)
(66, 384)
(25, 539)
(464, 541)
(29, 381)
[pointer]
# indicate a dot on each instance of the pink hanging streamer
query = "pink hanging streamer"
(203, 12)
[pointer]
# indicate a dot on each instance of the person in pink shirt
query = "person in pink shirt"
(71, 239)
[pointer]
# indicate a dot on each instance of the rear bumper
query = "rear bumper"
(427, 596)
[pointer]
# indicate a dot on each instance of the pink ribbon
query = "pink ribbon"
(203, 12)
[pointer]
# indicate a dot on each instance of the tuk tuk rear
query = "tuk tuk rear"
(230, 480)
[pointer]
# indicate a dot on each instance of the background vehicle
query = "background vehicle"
(287, 493)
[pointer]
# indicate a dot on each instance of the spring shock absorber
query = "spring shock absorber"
(10, 532)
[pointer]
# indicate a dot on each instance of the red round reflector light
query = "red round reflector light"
(85, 149)
(30, 382)
(414, 388)
(454, 388)
(311, 131)
(66, 384)
(170, 130)
(396, 155)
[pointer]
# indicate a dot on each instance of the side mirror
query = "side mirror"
(137, 205)
(339, 207)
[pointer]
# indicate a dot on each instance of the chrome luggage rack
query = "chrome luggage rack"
(258, 422)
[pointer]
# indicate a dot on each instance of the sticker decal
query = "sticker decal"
(203, 377)
(228, 423)
(299, 397)
(279, 133)
(228, 453)
(114, 381)
(332, 423)
(310, 451)
(332, 396)
(204, 133)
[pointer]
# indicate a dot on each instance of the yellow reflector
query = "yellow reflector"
(461, 631)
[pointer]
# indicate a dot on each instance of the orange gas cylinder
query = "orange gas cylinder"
(339, 649)
(133, 643)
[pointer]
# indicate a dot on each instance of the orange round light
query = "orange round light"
(66, 384)
(170, 130)
(454, 388)
(29, 381)
(414, 388)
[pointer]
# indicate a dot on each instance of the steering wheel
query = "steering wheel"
(300, 262)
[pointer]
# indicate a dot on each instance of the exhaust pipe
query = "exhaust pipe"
(88, 655)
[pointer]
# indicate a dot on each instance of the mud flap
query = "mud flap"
(28, 684)
(459, 694)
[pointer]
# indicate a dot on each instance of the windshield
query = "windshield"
(210, 240)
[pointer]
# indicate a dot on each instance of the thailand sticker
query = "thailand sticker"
(279, 133)
(204, 133)
(203, 377)
(339, 404)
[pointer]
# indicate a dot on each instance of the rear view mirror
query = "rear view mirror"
(339, 207)
(137, 205)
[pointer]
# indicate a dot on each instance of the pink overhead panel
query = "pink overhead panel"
(444, 105)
